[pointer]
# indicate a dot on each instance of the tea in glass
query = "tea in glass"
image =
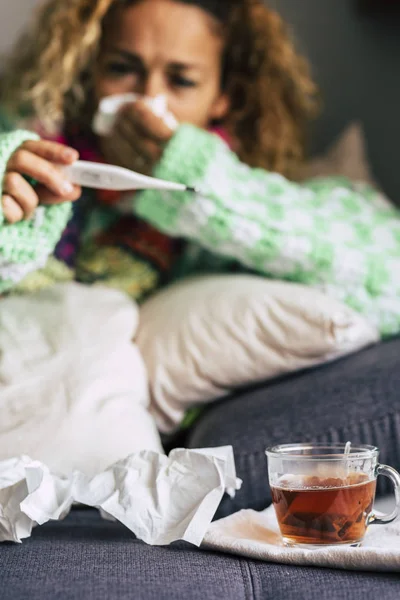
(318, 510)
(324, 494)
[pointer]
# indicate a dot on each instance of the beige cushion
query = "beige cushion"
(346, 157)
(206, 336)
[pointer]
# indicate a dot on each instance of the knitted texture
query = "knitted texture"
(26, 246)
(328, 233)
(9, 143)
(340, 237)
(53, 272)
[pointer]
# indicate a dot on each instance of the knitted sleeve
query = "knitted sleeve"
(326, 233)
(25, 246)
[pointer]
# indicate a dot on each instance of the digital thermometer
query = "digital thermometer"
(109, 177)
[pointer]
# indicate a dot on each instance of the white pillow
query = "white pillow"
(202, 338)
(73, 386)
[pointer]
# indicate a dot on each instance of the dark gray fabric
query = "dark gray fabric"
(85, 558)
(356, 398)
(278, 582)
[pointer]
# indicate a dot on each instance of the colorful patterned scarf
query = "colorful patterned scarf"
(126, 252)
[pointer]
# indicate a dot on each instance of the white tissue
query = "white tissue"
(107, 112)
(160, 499)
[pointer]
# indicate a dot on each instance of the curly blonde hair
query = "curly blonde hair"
(270, 87)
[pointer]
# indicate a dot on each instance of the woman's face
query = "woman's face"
(165, 47)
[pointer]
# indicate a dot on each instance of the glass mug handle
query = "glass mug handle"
(394, 477)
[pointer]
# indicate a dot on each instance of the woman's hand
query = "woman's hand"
(137, 140)
(38, 160)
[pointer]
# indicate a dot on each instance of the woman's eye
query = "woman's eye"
(119, 68)
(179, 81)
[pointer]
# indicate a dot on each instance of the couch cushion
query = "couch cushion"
(265, 328)
(87, 558)
(356, 399)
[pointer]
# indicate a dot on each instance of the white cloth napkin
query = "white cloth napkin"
(256, 535)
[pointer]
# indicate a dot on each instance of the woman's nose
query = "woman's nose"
(153, 86)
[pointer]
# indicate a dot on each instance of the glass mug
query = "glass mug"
(324, 494)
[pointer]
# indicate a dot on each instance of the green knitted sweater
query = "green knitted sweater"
(26, 246)
(339, 237)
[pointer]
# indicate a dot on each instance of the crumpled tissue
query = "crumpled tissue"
(160, 498)
(106, 115)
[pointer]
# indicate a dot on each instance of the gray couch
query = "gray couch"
(86, 558)
(357, 398)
